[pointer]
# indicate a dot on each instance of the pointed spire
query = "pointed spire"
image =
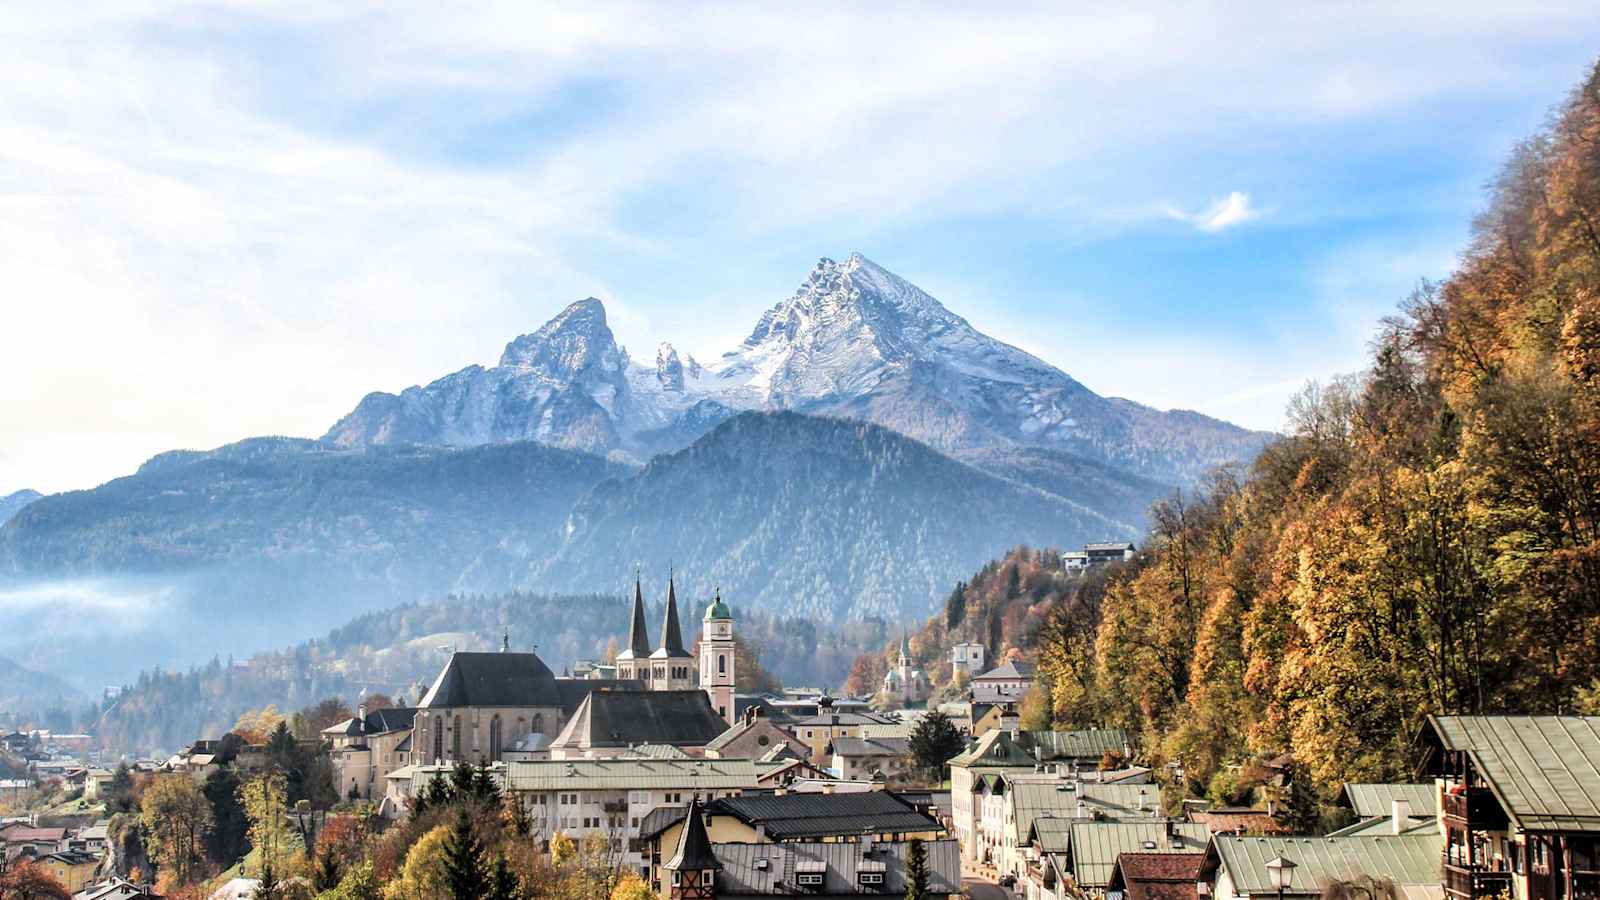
(638, 633)
(671, 634)
(505, 642)
(905, 645)
(694, 847)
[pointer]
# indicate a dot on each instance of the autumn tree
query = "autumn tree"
(177, 816)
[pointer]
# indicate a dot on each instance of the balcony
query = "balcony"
(1475, 806)
(1461, 881)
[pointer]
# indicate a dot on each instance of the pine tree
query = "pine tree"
(464, 871)
(917, 871)
(502, 882)
(267, 886)
(934, 741)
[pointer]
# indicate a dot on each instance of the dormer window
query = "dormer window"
(872, 878)
(809, 879)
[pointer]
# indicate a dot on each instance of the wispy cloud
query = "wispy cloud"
(238, 219)
(1234, 209)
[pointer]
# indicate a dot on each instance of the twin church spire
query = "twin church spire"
(667, 667)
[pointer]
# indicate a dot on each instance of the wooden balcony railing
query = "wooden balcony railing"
(1460, 881)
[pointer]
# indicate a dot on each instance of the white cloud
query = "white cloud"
(1234, 209)
(237, 219)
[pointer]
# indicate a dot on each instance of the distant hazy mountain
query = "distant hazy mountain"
(854, 341)
(11, 504)
(404, 515)
(22, 690)
(785, 511)
(824, 517)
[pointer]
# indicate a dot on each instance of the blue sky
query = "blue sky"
(225, 220)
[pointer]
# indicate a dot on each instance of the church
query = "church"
(905, 682)
(670, 667)
(483, 703)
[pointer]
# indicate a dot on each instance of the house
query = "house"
(1006, 683)
(1095, 847)
(367, 747)
(23, 839)
(966, 658)
(818, 732)
(752, 737)
(1519, 798)
(1390, 809)
(1235, 868)
(1109, 551)
(863, 759)
(14, 790)
(1156, 876)
(610, 797)
(73, 868)
(699, 868)
(91, 838)
(1011, 802)
(1074, 561)
(609, 722)
(95, 783)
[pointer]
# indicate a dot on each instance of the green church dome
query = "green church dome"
(718, 609)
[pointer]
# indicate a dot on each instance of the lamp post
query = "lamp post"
(1281, 872)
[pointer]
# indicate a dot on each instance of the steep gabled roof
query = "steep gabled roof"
(769, 870)
(1010, 670)
(694, 847)
(493, 679)
(1096, 845)
(390, 718)
(627, 718)
(1543, 770)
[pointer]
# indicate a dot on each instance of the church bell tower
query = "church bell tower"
(717, 658)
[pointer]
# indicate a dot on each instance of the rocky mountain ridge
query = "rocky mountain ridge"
(854, 341)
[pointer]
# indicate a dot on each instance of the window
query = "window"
(494, 739)
(438, 738)
(722, 663)
(872, 878)
(808, 878)
(455, 739)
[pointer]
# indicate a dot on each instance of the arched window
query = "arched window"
(722, 663)
(538, 723)
(438, 739)
(494, 739)
(455, 740)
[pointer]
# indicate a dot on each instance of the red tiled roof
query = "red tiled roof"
(1239, 821)
(1159, 876)
(30, 835)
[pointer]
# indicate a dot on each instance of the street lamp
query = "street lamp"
(1280, 871)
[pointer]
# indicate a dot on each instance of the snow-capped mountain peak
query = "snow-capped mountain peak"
(576, 340)
(854, 340)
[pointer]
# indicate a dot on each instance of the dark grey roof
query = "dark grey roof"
(393, 718)
(349, 727)
(795, 816)
(1544, 770)
(767, 870)
(638, 633)
(493, 679)
(671, 634)
(788, 817)
(694, 848)
(884, 746)
(610, 718)
(574, 690)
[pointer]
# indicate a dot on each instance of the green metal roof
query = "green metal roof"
(1403, 859)
(1034, 799)
(718, 609)
(1385, 826)
(1095, 846)
(1053, 834)
(1091, 743)
(994, 749)
(626, 774)
(1544, 770)
(1372, 800)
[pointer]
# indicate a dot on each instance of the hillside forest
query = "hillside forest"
(1426, 538)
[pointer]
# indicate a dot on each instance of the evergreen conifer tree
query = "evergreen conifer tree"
(917, 871)
(464, 872)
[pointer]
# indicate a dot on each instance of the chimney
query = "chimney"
(1399, 815)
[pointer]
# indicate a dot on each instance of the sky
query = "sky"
(226, 220)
